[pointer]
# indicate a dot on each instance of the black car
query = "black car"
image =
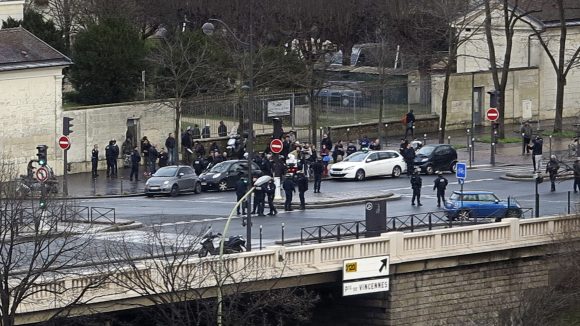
(224, 175)
(437, 157)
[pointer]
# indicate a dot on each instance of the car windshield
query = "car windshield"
(455, 197)
(426, 150)
(220, 167)
(356, 157)
(166, 172)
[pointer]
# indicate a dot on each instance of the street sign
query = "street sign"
(460, 170)
(42, 174)
(492, 114)
(64, 142)
(354, 269)
(366, 286)
(276, 146)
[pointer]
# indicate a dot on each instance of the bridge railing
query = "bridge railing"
(282, 262)
(410, 222)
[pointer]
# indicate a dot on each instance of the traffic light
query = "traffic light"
(42, 154)
(494, 99)
(43, 202)
(67, 126)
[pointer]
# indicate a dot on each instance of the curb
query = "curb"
(528, 178)
(123, 227)
(340, 203)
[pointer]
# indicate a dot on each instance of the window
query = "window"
(469, 197)
(487, 197)
(186, 171)
(373, 157)
(387, 155)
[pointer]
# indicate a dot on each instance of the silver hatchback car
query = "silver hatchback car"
(172, 180)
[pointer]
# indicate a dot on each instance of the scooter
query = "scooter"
(234, 244)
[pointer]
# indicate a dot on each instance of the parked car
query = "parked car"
(480, 204)
(363, 164)
(173, 180)
(224, 175)
(438, 157)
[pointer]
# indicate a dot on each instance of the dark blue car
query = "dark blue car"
(480, 204)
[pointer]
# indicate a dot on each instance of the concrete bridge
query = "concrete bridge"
(435, 276)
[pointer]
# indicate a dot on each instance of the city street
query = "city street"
(173, 215)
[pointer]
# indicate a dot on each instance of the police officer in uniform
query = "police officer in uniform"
(289, 189)
(259, 197)
(416, 184)
(440, 184)
(135, 159)
(270, 192)
(95, 160)
(109, 157)
(552, 169)
(114, 158)
(317, 169)
(241, 188)
(302, 188)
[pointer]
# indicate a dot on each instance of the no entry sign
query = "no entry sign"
(276, 146)
(492, 114)
(64, 142)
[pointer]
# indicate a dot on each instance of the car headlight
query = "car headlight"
(425, 160)
(349, 168)
(215, 176)
(165, 183)
(147, 182)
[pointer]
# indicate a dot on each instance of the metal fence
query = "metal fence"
(87, 214)
(337, 104)
(412, 223)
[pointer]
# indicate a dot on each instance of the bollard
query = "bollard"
(550, 146)
(473, 149)
(260, 236)
(449, 140)
(568, 201)
(282, 233)
(347, 135)
(386, 135)
(469, 149)
(424, 139)
(121, 186)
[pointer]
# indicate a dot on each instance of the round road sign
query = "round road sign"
(492, 114)
(276, 146)
(64, 142)
(42, 174)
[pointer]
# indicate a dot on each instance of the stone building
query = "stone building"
(531, 87)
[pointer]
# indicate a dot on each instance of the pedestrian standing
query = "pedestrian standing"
(440, 184)
(317, 169)
(109, 157)
(552, 169)
(403, 146)
(205, 132)
(409, 157)
(195, 133)
(186, 144)
(410, 124)
(537, 145)
(364, 143)
(325, 154)
(259, 199)
(351, 148)
(270, 192)
(222, 129)
(326, 141)
(135, 159)
(153, 155)
(338, 151)
(302, 188)
(115, 157)
(95, 160)
(289, 189)
(163, 158)
(145, 152)
(576, 168)
(526, 131)
(171, 151)
(241, 188)
(416, 184)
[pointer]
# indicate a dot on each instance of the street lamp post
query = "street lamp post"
(261, 180)
(208, 29)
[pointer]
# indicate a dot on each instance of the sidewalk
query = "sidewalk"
(82, 185)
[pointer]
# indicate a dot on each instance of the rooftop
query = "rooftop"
(20, 49)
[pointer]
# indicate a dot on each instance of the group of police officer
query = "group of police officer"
(440, 184)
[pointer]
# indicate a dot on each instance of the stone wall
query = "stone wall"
(469, 290)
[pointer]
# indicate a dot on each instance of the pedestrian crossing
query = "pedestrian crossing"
(513, 169)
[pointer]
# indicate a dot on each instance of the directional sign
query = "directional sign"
(42, 174)
(276, 146)
(492, 114)
(460, 170)
(355, 269)
(64, 142)
(366, 286)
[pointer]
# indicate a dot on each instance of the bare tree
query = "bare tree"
(165, 271)
(39, 249)
(562, 59)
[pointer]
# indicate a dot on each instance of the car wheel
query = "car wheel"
(396, 172)
(222, 186)
(452, 167)
(174, 191)
(202, 253)
(197, 188)
(464, 215)
(429, 170)
(514, 213)
(360, 175)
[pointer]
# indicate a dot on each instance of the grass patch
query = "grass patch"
(459, 146)
(560, 134)
(507, 140)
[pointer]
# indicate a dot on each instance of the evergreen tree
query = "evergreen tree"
(108, 60)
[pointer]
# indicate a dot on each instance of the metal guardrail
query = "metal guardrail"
(411, 222)
(98, 214)
(89, 214)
